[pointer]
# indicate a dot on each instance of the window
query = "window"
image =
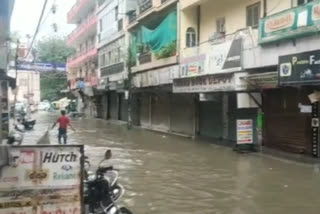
(221, 26)
(253, 15)
(191, 37)
(101, 25)
(120, 25)
(301, 2)
(116, 10)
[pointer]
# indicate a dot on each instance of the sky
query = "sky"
(26, 15)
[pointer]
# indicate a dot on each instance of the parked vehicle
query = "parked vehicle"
(101, 189)
(44, 106)
(16, 135)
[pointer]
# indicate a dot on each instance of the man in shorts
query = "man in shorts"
(64, 122)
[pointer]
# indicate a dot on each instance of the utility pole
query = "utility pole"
(16, 75)
(129, 88)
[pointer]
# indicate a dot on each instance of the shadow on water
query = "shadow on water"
(168, 174)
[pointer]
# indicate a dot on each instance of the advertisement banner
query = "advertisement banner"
(42, 180)
(302, 20)
(244, 132)
(300, 69)
(192, 66)
(226, 56)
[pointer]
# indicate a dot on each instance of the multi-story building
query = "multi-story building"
(82, 67)
(252, 65)
(154, 56)
(113, 43)
(5, 81)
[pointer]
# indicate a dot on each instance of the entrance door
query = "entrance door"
(210, 124)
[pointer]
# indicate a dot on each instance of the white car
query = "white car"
(44, 106)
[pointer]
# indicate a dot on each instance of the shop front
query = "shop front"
(221, 102)
(292, 111)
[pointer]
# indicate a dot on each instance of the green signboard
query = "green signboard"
(292, 23)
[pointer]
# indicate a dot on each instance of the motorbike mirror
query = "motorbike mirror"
(107, 155)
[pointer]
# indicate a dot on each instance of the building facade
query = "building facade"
(5, 81)
(154, 56)
(113, 44)
(244, 67)
(82, 68)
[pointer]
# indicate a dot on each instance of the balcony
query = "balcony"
(82, 32)
(149, 61)
(146, 8)
(79, 10)
(82, 57)
(190, 3)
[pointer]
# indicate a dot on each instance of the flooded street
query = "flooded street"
(166, 174)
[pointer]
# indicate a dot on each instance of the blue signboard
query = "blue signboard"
(38, 66)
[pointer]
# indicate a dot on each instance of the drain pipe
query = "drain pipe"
(265, 8)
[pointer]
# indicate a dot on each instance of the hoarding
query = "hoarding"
(300, 69)
(292, 23)
(42, 180)
(244, 132)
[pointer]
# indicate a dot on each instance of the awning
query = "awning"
(264, 80)
(12, 81)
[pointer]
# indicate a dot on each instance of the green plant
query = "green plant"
(167, 51)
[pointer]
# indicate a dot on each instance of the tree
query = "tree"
(53, 50)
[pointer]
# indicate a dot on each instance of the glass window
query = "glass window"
(191, 37)
(253, 15)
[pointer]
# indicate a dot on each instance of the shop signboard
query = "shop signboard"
(192, 66)
(156, 77)
(292, 23)
(42, 179)
(202, 84)
(226, 56)
(244, 132)
(300, 69)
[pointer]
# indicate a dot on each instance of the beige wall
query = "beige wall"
(28, 82)
(233, 11)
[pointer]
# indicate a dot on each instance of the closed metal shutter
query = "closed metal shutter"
(210, 123)
(114, 106)
(285, 127)
(144, 110)
(160, 111)
(182, 114)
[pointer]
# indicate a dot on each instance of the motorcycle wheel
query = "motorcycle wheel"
(124, 210)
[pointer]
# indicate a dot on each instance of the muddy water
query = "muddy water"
(165, 174)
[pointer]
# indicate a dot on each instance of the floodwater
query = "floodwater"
(165, 174)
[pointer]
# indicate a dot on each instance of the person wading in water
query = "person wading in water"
(64, 122)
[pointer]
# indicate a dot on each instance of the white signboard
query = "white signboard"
(160, 76)
(244, 131)
(203, 84)
(42, 180)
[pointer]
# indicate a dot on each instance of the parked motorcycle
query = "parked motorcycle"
(16, 135)
(101, 189)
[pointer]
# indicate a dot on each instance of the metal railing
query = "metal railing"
(145, 58)
(145, 5)
(82, 25)
(133, 16)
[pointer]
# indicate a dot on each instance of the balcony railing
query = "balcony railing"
(145, 58)
(112, 69)
(82, 57)
(133, 17)
(89, 22)
(75, 9)
(145, 5)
